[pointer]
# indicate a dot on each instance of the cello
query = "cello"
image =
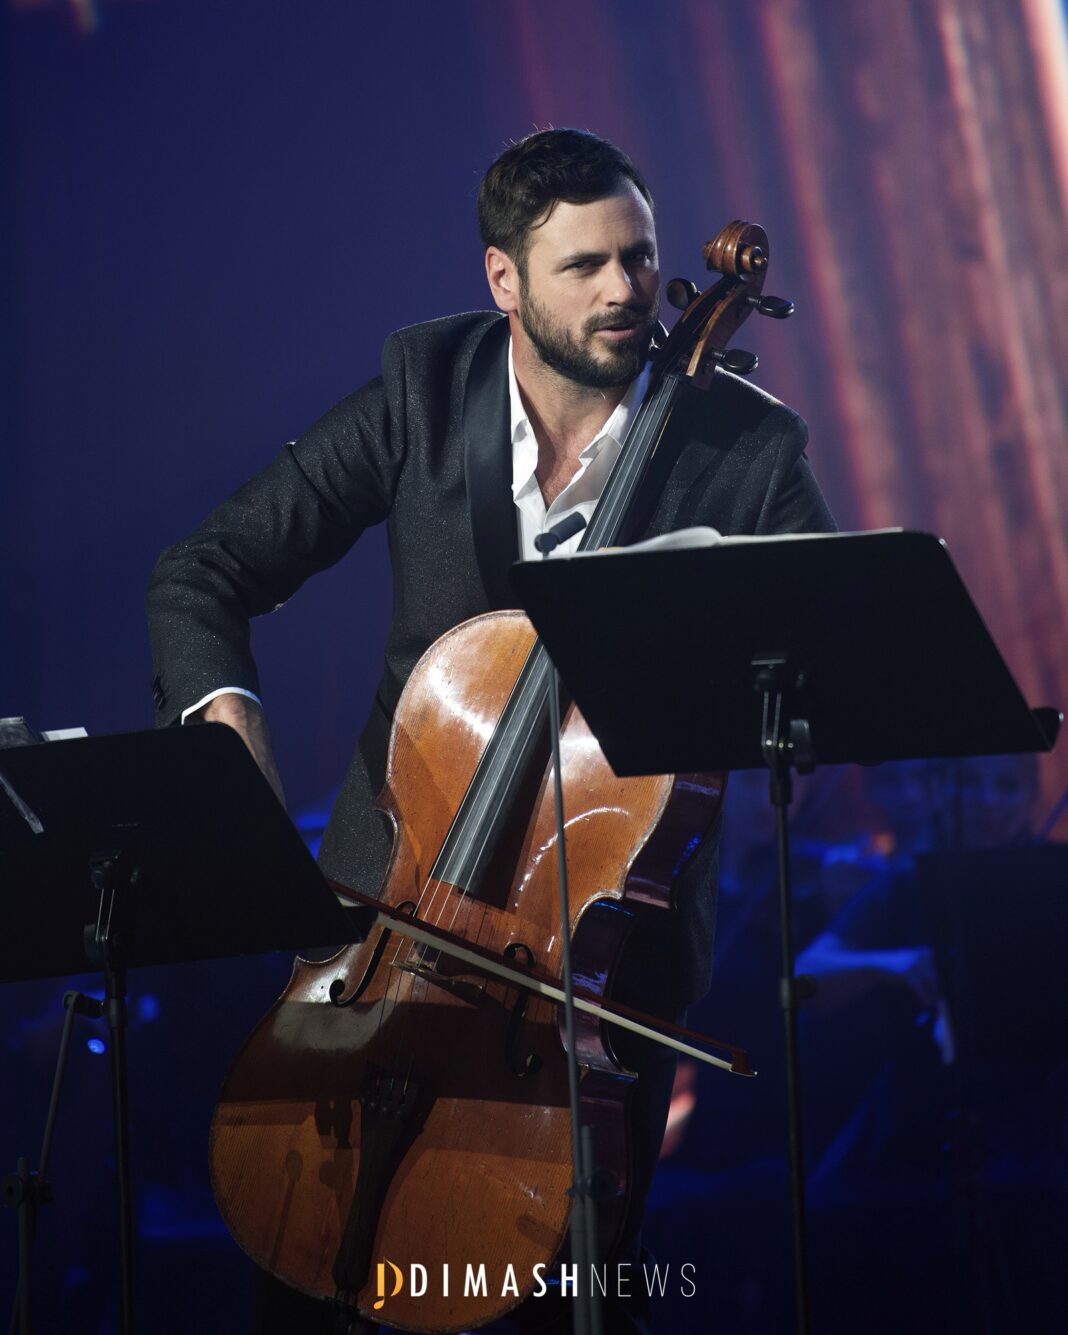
(395, 1134)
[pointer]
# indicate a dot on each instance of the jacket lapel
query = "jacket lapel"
(488, 465)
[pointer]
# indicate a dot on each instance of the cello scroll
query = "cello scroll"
(739, 252)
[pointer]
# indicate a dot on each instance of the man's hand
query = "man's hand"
(247, 719)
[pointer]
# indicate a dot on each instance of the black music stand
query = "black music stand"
(781, 652)
(140, 849)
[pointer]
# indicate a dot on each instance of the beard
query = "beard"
(597, 364)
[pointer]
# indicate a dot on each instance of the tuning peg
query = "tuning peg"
(777, 307)
(735, 360)
(680, 292)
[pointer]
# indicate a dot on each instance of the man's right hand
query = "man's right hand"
(247, 719)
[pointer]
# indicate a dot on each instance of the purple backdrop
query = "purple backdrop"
(212, 215)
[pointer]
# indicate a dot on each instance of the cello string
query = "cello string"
(617, 499)
(479, 823)
(529, 708)
(473, 829)
(460, 833)
(477, 820)
(436, 912)
(521, 729)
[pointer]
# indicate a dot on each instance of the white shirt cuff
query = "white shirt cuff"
(222, 690)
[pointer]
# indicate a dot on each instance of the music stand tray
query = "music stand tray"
(889, 658)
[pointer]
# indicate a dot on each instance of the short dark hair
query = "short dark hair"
(534, 174)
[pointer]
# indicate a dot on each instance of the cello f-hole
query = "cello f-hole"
(517, 952)
(337, 987)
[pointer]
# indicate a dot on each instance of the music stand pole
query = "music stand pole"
(116, 1013)
(588, 1319)
(26, 1191)
(110, 878)
(785, 742)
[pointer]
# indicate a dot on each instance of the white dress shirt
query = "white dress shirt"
(584, 490)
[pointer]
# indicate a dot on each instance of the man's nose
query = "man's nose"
(621, 287)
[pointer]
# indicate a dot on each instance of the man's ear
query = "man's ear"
(503, 278)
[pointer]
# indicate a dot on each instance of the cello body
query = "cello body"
(395, 1110)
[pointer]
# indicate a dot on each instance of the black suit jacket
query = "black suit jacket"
(425, 447)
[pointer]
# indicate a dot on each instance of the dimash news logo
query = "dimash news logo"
(623, 1280)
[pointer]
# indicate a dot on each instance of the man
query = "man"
(480, 433)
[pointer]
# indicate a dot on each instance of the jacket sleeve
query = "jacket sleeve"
(793, 502)
(301, 514)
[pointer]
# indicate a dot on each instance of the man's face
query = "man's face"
(589, 291)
